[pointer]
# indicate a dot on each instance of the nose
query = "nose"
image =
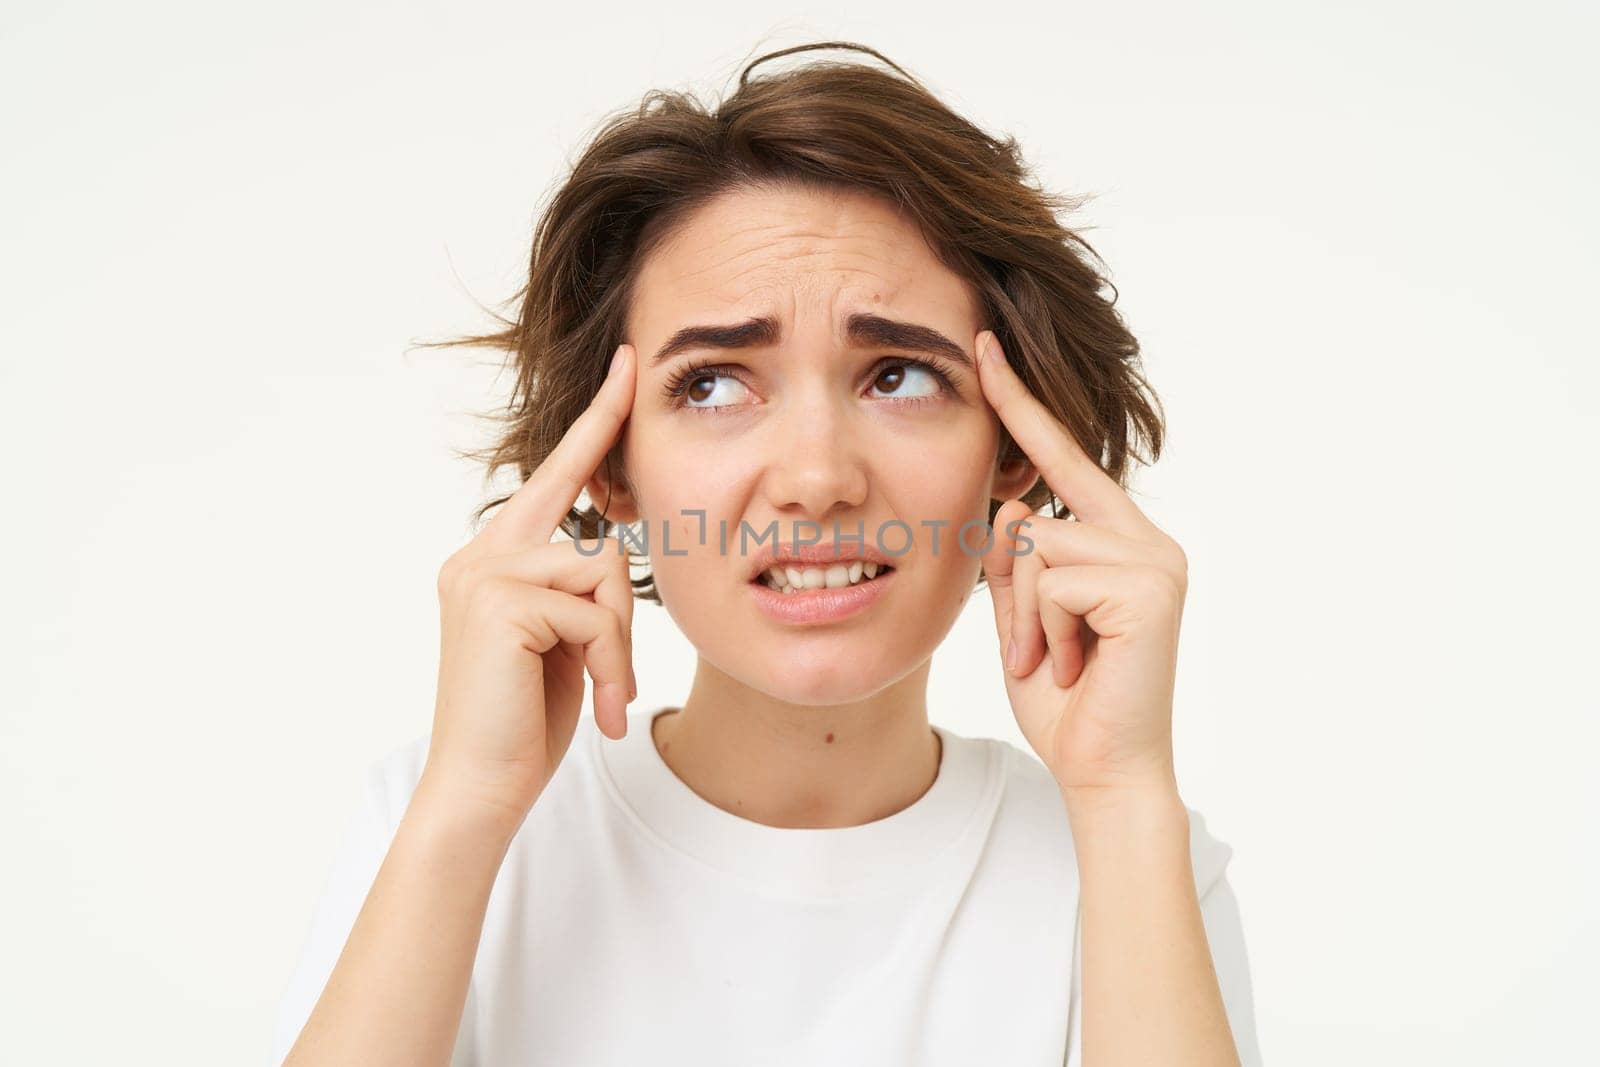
(815, 463)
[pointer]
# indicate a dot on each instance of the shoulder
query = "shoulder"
(1033, 799)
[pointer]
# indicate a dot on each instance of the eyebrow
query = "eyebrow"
(864, 328)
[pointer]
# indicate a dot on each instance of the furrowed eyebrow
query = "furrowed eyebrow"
(864, 328)
(877, 331)
(751, 333)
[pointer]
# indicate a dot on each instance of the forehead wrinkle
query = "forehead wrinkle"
(817, 269)
(734, 257)
(756, 292)
(793, 294)
(691, 244)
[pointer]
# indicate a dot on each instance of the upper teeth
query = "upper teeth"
(837, 576)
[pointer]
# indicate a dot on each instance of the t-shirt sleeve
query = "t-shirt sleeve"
(1219, 911)
(387, 792)
(366, 841)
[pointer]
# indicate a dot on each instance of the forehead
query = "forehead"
(780, 249)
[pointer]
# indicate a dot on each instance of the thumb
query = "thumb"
(997, 567)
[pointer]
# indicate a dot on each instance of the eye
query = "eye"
(703, 387)
(911, 380)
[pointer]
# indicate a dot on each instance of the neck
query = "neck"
(801, 765)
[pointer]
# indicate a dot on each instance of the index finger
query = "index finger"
(534, 511)
(1093, 495)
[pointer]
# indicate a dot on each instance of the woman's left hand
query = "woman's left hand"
(1101, 597)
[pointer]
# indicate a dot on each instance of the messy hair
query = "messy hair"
(828, 123)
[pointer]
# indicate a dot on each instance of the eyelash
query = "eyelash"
(678, 383)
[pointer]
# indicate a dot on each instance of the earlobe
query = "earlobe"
(1015, 477)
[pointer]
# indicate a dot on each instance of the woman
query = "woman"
(832, 309)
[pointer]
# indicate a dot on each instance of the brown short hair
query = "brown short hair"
(831, 123)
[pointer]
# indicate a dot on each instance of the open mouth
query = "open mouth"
(799, 580)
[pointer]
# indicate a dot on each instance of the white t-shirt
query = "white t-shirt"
(634, 922)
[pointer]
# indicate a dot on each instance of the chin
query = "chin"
(813, 684)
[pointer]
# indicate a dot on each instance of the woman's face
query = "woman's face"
(807, 425)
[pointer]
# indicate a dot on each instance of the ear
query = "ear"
(1013, 477)
(610, 494)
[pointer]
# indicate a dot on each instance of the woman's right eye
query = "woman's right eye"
(711, 389)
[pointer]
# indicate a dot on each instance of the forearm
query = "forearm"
(1150, 992)
(397, 992)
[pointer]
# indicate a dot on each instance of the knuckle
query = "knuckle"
(1173, 562)
(451, 574)
(1053, 586)
(496, 598)
(1161, 586)
(1043, 582)
(1179, 559)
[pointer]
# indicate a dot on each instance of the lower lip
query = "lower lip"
(810, 606)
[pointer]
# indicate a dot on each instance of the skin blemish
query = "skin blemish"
(830, 739)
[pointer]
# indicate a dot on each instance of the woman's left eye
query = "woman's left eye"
(894, 379)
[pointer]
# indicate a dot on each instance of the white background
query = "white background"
(1358, 242)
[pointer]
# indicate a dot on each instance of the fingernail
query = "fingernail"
(996, 357)
(616, 361)
(1011, 655)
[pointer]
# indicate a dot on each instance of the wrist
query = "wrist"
(444, 807)
(1126, 829)
(1148, 806)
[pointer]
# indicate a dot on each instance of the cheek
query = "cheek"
(941, 475)
(689, 488)
(941, 479)
(672, 467)
(684, 503)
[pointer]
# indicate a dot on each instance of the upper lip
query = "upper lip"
(830, 552)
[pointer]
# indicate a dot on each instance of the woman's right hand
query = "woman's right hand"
(521, 617)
